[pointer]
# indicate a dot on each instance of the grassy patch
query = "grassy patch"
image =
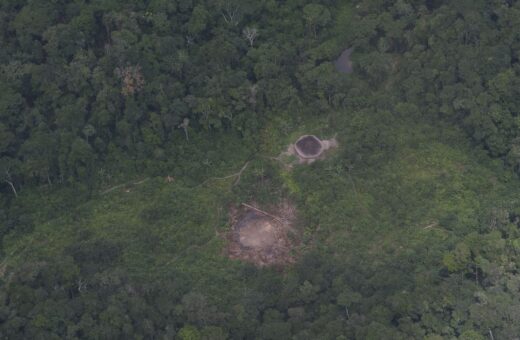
(383, 200)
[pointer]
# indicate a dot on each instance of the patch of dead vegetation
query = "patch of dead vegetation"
(263, 237)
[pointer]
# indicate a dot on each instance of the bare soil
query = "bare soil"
(262, 237)
(256, 231)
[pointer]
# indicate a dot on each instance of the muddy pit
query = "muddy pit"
(309, 148)
(262, 238)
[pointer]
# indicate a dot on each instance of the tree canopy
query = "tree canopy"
(121, 122)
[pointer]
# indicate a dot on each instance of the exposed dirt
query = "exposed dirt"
(262, 237)
(256, 231)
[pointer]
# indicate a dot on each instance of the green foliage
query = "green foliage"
(189, 333)
(459, 259)
(316, 16)
(128, 128)
(198, 20)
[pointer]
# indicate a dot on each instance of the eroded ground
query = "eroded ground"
(263, 237)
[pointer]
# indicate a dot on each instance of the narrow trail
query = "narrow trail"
(123, 185)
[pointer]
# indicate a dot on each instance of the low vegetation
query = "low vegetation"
(129, 130)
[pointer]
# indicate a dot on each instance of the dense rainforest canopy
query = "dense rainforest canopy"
(409, 230)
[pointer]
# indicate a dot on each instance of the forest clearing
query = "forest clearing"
(334, 169)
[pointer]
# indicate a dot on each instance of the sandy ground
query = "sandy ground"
(263, 239)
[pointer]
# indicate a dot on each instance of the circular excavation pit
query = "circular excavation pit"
(308, 146)
(308, 149)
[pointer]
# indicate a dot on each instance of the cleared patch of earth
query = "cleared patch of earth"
(263, 237)
(256, 231)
